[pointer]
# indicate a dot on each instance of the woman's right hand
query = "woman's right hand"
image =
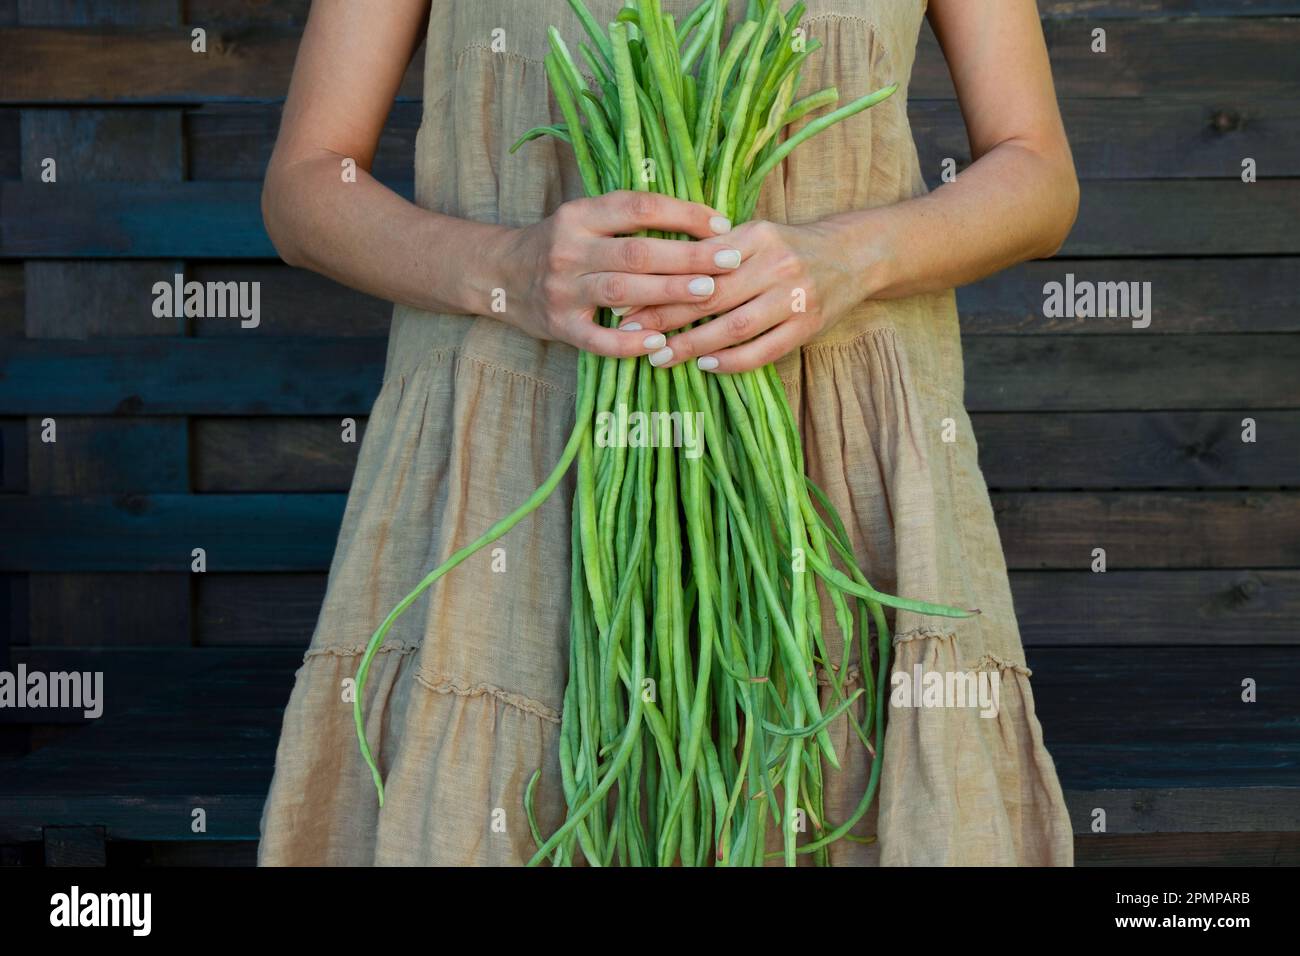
(559, 271)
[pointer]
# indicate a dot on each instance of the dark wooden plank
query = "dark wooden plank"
(1150, 138)
(281, 12)
(13, 455)
(95, 455)
(1137, 450)
(97, 298)
(256, 376)
(14, 618)
(99, 12)
(1210, 529)
(182, 729)
(91, 145)
(1203, 608)
(158, 532)
(10, 144)
(75, 846)
(273, 454)
(156, 66)
(1088, 9)
(1158, 717)
(293, 302)
(1190, 809)
(11, 300)
(1233, 56)
(1187, 295)
(1186, 218)
(1132, 372)
(110, 610)
(297, 532)
(234, 141)
(133, 220)
(223, 219)
(203, 853)
(1188, 849)
(233, 610)
(1145, 57)
(221, 376)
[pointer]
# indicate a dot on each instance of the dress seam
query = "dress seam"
(988, 662)
(441, 684)
(356, 650)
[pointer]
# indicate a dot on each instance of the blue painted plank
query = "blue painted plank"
(158, 532)
(230, 375)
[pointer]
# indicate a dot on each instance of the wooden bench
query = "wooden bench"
(1184, 770)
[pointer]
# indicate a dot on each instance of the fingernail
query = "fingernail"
(655, 341)
(622, 310)
(706, 363)
(662, 357)
(720, 224)
(727, 259)
(701, 286)
(630, 327)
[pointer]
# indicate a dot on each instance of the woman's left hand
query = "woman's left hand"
(792, 283)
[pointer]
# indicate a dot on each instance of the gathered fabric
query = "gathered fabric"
(464, 698)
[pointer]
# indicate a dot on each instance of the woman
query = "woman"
(496, 278)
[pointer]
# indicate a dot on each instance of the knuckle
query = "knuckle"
(558, 259)
(650, 318)
(642, 205)
(710, 306)
(738, 326)
(568, 214)
(612, 289)
(636, 254)
(787, 265)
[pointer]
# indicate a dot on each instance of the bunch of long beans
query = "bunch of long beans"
(692, 719)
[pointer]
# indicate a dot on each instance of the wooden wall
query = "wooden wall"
(175, 434)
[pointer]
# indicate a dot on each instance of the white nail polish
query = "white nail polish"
(706, 363)
(720, 224)
(727, 259)
(622, 310)
(701, 286)
(662, 357)
(630, 327)
(655, 341)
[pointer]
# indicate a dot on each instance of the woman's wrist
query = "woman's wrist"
(866, 237)
(472, 273)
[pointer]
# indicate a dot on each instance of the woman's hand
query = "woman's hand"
(561, 270)
(793, 282)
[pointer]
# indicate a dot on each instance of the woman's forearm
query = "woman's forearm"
(364, 235)
(1013, 204)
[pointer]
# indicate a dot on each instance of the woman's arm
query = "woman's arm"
(1016, 201)
(1019, 197)
(360, 233)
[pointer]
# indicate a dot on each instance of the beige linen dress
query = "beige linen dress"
(464, 698)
